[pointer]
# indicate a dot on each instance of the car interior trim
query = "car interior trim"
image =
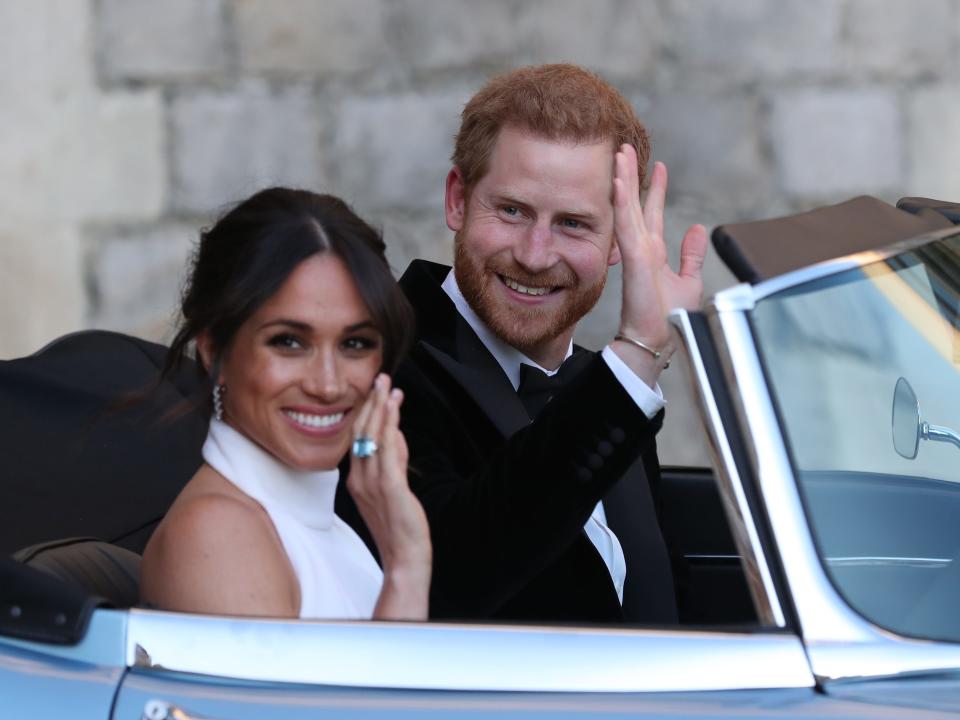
(873, 560)
(717, 557)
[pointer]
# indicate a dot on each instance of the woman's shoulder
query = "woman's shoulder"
(212, 513)
(214, 543)
(208, 494)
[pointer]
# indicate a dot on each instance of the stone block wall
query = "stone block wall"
(128, 124)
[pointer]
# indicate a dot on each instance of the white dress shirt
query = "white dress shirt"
(650, 401)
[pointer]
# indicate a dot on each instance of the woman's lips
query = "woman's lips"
(313, 422)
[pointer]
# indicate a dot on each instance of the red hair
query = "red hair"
(557, 102)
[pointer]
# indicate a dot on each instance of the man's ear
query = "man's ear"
(456, 198)
(614, 257)
(205, 352)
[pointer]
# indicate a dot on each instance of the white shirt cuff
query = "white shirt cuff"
(649, 400)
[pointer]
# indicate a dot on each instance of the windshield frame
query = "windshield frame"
(841, 643)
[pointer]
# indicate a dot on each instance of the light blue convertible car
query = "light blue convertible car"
(821, 552)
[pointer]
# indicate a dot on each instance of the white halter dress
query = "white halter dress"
(337, 574)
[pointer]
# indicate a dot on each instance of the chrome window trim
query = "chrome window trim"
(840, 643)
(735, 505)
(744, 296)
(464, 657)
(887, 561)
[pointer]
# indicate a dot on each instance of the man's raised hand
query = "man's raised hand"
(651, 288)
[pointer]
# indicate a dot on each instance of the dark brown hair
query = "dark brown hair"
(250, 252)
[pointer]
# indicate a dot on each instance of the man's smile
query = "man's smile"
(525, 289)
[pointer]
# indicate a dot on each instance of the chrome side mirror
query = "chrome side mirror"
(909, 428)
(906, 420)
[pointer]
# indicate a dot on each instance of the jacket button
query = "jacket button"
(594, 461)
(617, 436)
(584, 475)
(604, 448)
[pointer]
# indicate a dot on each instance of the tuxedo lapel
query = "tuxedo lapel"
(487, 386)
(447, 338)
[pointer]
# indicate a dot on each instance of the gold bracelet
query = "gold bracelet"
(643, 346)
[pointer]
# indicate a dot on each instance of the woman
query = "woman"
(294, 314)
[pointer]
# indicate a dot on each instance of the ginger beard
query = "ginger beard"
(521, 326)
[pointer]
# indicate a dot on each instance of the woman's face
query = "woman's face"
(298, 370)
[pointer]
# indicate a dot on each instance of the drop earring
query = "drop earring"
(218, 392)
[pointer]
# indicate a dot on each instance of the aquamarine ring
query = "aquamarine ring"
(364, 447)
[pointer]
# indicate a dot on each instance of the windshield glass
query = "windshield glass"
(887, 526)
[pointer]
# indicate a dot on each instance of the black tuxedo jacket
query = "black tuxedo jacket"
(507, 498)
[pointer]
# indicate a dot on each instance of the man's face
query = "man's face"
(535, 237)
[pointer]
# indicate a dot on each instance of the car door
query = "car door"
(238, 668)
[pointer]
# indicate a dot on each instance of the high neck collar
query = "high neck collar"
(307, 495)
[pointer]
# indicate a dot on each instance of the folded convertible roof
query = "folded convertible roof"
(757, 251)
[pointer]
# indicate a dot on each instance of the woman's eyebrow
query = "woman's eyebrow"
(307, 327)
(296, 324)
(361, 326)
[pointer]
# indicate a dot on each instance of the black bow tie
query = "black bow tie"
(537, 388)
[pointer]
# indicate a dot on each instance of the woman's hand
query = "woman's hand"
(378, 484)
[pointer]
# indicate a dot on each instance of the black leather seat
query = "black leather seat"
(101, 570)
(80, 458)
(91, 453)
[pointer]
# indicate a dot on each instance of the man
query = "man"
(544, 195)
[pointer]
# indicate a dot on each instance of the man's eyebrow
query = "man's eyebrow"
(509, 198)
(583, 214)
